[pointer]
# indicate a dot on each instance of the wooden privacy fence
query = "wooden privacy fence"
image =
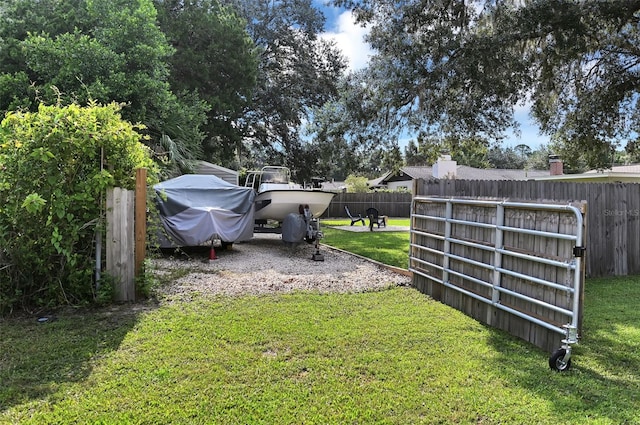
(391, 204)
(514, 266)
(613, 227)
(126, 236)
(120, 242)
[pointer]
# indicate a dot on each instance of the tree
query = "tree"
(505, 158)
(298, 72)
(427, 149)
(345, 121)
(216, 59)
(20, 17)
(412, 155)
(470, 151)
(356, 184)
(392, 159)
(75, 50)
(524, 151)
(347, 147)
(539, 159)
(335, 156)
(459, 67)
(597, 157)
(56, 164)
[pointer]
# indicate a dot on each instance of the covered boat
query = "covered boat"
(196, 208)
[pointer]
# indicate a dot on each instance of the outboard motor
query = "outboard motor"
(302, 226)
(294, 229)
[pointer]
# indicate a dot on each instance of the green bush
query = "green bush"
(56, 165)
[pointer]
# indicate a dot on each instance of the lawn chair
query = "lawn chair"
(353, 219)
(376, 218)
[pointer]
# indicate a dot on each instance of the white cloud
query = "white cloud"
(349, 38)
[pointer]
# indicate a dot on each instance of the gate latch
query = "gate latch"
(578, 251)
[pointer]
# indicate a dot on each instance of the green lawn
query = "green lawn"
(390, 357)
(387, 247)
(391, 221)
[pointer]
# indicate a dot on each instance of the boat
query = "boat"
(194, 209)
(277, 196)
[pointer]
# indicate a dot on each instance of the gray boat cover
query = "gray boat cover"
(196, 208)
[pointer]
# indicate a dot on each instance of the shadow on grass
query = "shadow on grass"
(603, 381)
(37, 357)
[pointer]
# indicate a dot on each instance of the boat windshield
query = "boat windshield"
(277, 175)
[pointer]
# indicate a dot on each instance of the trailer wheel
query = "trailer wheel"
(556, 361)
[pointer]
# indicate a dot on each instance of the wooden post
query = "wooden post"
(140, 220)
(120, 243)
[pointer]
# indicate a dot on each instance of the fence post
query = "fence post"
(140, 220)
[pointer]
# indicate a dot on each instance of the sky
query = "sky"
(349, 37)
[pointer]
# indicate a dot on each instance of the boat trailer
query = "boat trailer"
(303, 227)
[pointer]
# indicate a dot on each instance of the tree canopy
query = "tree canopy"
(459, 67)
(60, 52)
(297, 72)
(230, 81)
(216, 60)
(237, 81)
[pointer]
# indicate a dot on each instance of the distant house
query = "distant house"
(617, 173)
(446, 168)
(203, 167)
(334, 186)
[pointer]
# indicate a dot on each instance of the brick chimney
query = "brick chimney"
(555, 165)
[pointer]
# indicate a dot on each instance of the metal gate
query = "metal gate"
(513, 265)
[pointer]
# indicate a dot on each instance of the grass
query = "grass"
(385, 247)
(391, 221)
(389, 357)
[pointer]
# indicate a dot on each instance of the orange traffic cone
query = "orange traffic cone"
(212, 254)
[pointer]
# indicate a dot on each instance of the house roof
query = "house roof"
(618, 173)
(207, 168)
(333, 186)
(631, 168)
(469, 173)
(380, 181)
(464, 172)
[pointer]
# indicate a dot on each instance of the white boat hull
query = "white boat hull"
(277, 204)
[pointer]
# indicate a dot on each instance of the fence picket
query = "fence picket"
(120, 242)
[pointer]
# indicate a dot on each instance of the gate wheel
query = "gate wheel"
(557, 362)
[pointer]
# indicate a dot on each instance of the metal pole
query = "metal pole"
(98, 254)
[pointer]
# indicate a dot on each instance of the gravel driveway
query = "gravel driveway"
(264, 265)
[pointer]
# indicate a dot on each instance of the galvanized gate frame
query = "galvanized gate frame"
(560, 359)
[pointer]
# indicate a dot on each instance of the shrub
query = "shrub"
(357, 184)
(56, 165)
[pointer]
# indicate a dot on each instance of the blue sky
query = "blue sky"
(350, 38)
